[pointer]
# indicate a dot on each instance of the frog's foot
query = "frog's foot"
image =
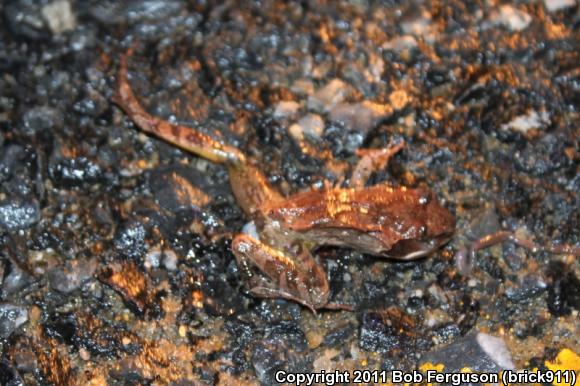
(268, 291)
(339, 306)
(465, 257)
(262, 288)
(372, 160)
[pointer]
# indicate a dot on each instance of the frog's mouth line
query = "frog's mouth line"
(414, 249)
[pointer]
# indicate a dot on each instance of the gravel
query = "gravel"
(115, 257)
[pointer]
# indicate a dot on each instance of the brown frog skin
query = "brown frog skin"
(399, 223)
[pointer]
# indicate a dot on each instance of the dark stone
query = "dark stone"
(564, 294)
(86, 331)
(9, 376)
(416, 303)
(11, 159)
(152, 10)
(490, 265)
(447, 333)
(221, 298)
(283, 347)
(438, 76)
(341, 140)
(42, 118)
(17, 214)
(469, 313)
(544, 156)
(62, 327)
(374, 292)
(21, 173)
(130, 240)
(339, 335)
(25, 20)
(177, 188)
(15, 281)
(94, 104)
(241, 334)
(387, 331)
(75, 171)
(529, 288)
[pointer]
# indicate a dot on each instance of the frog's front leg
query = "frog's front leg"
(372, 160)
(465, 258)
(292, 275)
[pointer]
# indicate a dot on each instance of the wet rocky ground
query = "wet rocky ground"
(115, 247)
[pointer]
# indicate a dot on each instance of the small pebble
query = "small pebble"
(310, 125)
(421, 27)
(405, 42)
(84, 354)
(512, 18)
(170, 260)
(153, 258)
(531, 120)
(59, 16)
(303, 87)
(11, 317)
(496, 349)
(360, 116)
(478, 351)
(40, 118)
(70, 276)
(325, 98)
(286, 109)
(557, 5)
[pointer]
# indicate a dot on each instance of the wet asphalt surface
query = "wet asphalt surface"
(115, 259)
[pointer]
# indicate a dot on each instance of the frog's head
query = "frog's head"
(433, 226)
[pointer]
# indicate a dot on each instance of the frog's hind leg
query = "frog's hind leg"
(250, 186)
(184, 137)
(298, 278)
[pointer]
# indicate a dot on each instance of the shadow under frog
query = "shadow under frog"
(399, 223)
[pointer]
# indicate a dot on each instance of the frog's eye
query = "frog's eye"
(424, 199)
(296, 248)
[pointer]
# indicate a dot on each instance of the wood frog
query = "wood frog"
(274, 250)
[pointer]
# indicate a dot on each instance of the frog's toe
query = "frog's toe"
(272, 293)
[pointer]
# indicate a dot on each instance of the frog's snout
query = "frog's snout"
(440, 222)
